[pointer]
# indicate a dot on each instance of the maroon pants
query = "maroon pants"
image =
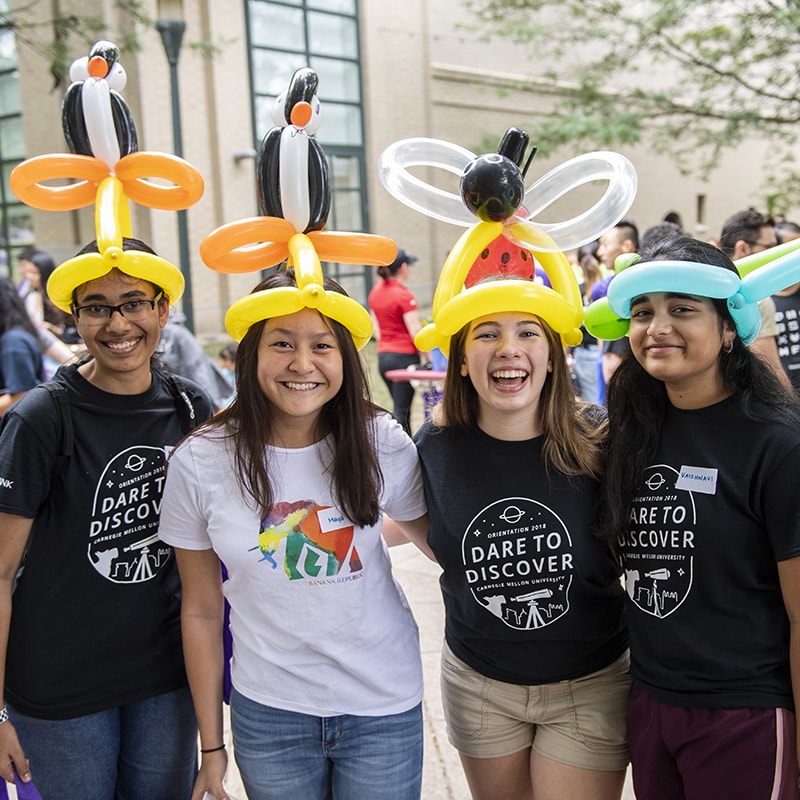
(703, 754)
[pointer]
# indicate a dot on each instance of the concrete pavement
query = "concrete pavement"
(442, 777)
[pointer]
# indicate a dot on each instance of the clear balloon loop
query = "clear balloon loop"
(614, 168)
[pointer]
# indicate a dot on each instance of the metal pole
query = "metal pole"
(171, 31)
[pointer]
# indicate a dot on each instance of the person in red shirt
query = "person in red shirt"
(396, 318)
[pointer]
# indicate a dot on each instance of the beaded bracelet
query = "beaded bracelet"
(209, 750)
(3, 714)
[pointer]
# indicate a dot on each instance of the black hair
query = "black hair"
(128, 243)
(655, 233)
(13, 314)
(743, 226)
(628, 230)
(785, 231)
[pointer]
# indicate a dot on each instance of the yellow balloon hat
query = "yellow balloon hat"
(109, 170)
(454, 306)
(309, 293)
(112, 223)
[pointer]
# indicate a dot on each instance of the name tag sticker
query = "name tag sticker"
(697, 479)
(331, 519)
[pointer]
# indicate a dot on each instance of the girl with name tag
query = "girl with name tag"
(701, 502)
(287, 487)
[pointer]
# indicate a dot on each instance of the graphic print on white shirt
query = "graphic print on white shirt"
(318, 542)
(658, 547)
(518, 562)
(123, 533)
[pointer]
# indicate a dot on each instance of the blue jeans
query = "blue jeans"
(140, 751)
(283, 755)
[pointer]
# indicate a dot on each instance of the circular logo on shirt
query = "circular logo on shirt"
(518, 562)
(658, 546)
(123, 533)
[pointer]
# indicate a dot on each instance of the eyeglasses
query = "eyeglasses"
(133, 310)
(762, 245)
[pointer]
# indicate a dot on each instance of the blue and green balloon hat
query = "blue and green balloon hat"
(108, 170)
(760, 276)
(492, 189)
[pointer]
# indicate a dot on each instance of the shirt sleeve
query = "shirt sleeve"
(19, 363)
(403, 495)
(769, 327)
(782, 506)
(182, 522)
(27, 453)
(407, 301)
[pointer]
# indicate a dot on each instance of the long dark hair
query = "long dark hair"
(349, 417)
(12, 310)
(573, 436)
(45, 264)
(638, 402)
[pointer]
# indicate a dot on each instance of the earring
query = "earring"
(728, 347)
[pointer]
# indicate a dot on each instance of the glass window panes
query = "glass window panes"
(340, 6)
(20, 225)
(7, 167)
(263, 114)
(12, 138)
(272, 25)
(338, 80)
(9, 93)
(347, 211)
(331, 35)
(272, 71)
(345, 173)
(341, 124)
(8, 50)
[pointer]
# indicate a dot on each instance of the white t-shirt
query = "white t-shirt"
(319, 624)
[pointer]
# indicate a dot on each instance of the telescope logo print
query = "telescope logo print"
(518, 562)
(123, 533)
(659, 543)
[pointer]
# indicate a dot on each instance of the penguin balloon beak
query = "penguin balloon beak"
(98, 67)
(301, 113)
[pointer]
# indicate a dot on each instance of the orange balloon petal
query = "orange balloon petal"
(247, 245)
(134, 169)
(353, 248)
(26, 181)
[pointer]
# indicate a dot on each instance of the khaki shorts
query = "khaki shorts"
(580, 722)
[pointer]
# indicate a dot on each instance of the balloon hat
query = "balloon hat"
(295, 196)
(109, 171)
(492, 188)
(775, 269)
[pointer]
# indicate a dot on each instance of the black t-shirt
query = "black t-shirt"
(712, 516)
(95, 620)
(787, 317)
(530, 596)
